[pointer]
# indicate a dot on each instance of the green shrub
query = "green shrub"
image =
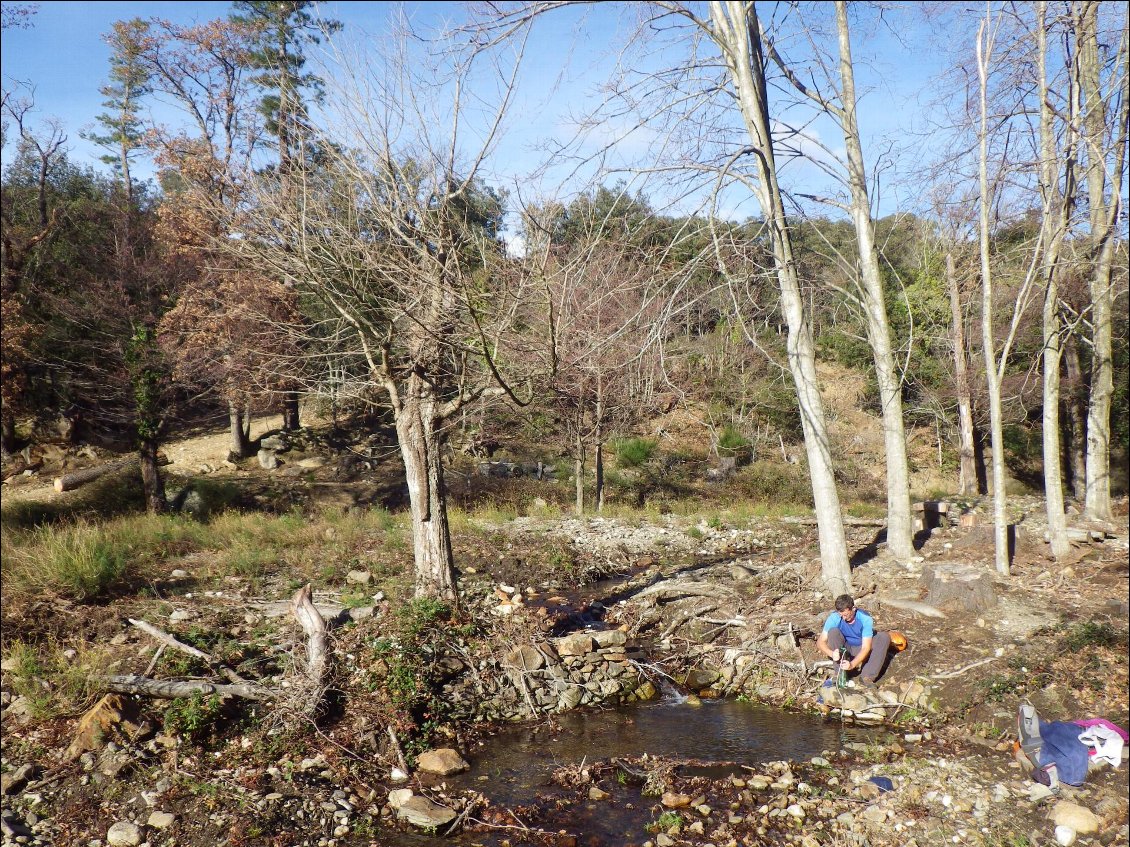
(1088, 634)
(633, 452)
(193, 718)
(732, 443)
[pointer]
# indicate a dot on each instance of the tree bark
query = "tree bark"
(1077, 421)
(598, 457)
(417, 427)
(900, 528)
(737, 35)
(71, 481)
(579, 474)
(171, 689)
(240, 443)
(1055, 221)
(290, 412)
(7, 433)
(967, 469)
(151, 480)
(1103, 215)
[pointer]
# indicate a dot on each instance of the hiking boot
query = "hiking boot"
(1028, 731)
(868, 683)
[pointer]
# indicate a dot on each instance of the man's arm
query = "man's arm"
(822, 646)
(861, 656)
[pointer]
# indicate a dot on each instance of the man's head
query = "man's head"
(845, 603)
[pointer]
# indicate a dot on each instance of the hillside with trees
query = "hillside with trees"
(314, 339)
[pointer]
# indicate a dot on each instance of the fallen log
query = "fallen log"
(169, 641)
(77, 479)
(170, 689)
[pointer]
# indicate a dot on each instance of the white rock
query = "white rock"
(1064, 835)
(160, 820)
(123, 834)
(397, 775)
(399, 796)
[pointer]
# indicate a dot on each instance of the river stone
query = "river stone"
(610, 638)
(422, 812)
(1079, 818)
(399, 796)
(443, 761)
(160, 820)
(672, 800)
(855, 702)
(796, 811)
(700, 678)
(577, 644)
(123, 834)
(525, 658)
(1064, 835)
(875, 814)
(571, 697)
(596, 794)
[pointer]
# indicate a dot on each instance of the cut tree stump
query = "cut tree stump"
(959, 587)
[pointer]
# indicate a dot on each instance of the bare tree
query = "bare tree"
(1056, 220)
(395, 243)
(838, 100)
(1105, 89)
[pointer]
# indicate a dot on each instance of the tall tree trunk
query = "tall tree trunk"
(598, 457)
(240, 443)
(1103, 215)
(7, 433)
(1076, 421)
(151, 479)
(992, 379)
(967, 468)
(1055, 222)
(579, 480)
(736, 31)
(290, 411)
(418, 430)
(900, 527)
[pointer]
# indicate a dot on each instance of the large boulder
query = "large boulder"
(577, 644)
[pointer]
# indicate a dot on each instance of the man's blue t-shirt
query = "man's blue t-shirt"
(862, 627)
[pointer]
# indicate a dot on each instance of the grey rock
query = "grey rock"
(610, 638)
(422, 812)
(160, 820)
(268, 461)
(577, 644)
(525, 658)
(123, 834)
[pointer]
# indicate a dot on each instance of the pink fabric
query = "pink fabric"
(1113, 727)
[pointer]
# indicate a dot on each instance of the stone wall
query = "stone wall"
(590, 668)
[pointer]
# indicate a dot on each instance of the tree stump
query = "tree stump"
(959, 588)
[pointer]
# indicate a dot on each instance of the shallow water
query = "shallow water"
(515, 767)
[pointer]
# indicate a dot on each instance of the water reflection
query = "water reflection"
(519, 761)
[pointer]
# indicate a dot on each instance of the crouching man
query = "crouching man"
(849, 639)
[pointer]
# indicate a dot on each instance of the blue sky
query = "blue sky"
(64, 57)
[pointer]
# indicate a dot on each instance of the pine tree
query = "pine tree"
(129, 82)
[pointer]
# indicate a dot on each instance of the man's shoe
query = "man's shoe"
(1028, 731)
(867, 683)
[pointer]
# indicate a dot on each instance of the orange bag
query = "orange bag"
(898, 641)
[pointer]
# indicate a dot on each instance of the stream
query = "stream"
(515, 766)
